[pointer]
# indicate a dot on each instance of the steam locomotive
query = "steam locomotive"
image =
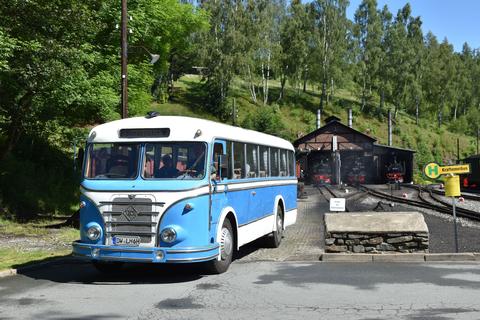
(321, 173)
(472, 179)
(395, 173)
(357, 173)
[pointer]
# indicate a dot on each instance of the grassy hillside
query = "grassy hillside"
(297, 112)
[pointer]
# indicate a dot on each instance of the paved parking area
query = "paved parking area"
(302, 241)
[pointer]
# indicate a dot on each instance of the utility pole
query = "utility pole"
(124, 54)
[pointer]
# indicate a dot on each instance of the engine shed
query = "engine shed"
(337, 153)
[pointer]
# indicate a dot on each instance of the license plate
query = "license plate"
(128, 241)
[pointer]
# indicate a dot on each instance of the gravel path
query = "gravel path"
(49, 242)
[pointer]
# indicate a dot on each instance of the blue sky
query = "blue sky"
(457, 20)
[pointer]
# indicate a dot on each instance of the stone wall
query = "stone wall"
(376, 242)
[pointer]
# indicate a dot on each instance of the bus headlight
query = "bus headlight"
(168, 235)
(94, 232)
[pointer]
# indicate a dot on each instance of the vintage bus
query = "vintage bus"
(166, 189)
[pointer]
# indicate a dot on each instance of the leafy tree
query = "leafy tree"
(294, 37)
(221, 52)
(368, 34)
(329, 43)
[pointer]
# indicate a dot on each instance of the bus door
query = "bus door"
(219, 173)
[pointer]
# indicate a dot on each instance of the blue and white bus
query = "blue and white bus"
(165, 189)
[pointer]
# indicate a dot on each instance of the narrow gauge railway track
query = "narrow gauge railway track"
(328, 193)
(465, 196)
(441, 193)
(423, 203)
(325, 194)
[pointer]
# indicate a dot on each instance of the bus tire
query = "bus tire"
(275, 238)
(217, 266)
(108, 266)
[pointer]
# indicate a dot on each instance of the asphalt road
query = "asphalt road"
(249, 290)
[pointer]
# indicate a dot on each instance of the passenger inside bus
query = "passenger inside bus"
(217, 151)
(167, 170)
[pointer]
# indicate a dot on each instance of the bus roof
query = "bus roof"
(182, 129)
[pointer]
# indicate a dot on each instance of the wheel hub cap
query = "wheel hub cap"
(226, 243)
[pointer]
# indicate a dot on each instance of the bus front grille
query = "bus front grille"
(132, 217)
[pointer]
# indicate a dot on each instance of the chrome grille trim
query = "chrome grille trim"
(130, 233)
(133, 223)
(132, 216)
(126, 203)
(117, 213)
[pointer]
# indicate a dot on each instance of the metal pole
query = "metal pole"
(124, 54)
(455, 224)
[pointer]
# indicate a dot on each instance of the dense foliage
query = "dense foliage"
(60, 72)
(385, 58)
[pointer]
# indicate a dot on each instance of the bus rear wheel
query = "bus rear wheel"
(273, 240)
(221, 265)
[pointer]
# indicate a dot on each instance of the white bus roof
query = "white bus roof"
(182, 129)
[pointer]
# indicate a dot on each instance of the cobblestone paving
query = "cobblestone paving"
(302, 241)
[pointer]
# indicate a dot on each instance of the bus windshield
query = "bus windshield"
(174, 160)
(112, 161)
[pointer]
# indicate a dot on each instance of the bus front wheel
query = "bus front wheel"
(226, 250)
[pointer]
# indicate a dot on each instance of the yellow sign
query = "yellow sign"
(434, 170)
(452, 186)
(462, 168)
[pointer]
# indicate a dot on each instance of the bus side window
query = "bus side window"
(274, 162)
(264, 168)
(238, 163)
(217, 151)
(283, 163)
(252, 161)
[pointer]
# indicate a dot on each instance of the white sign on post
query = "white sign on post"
(337, 204)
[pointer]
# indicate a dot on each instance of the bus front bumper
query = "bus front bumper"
(142, 254)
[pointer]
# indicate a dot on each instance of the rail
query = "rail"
(423, 203)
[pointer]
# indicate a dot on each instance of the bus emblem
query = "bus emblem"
(130, 213)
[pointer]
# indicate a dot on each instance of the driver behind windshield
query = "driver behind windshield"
(167, 170)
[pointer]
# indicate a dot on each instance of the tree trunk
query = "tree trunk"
(382, 102)
(305, 73)
(332, 88)
(251, 86)
(283, 81)
(324, 92)
(265, 91)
